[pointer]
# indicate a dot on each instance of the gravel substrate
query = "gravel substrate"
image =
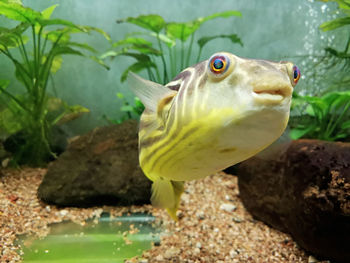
(213, 225)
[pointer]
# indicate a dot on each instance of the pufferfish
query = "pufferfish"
(212, 115)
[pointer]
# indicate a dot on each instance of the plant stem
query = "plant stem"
(23, 52)
(189, 50)
(199, 54)
(39, 46)
(347, 106)
(347, 46)
(35, 79)
(175, 62)
(182, 47)
(14, 99)
(46, 68)
(53, 85)
(149, 74)
(172, 67)
(182, 54)
(17, 64)
(44, 46)
(165, 75)
(157, 71)
(15, 61)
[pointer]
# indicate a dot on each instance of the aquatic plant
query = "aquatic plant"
(35, 47)
(324, 118)
(131, 111)
(155, 49)
(335, 61)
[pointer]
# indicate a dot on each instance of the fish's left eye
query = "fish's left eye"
(296, 74)
(218, 64)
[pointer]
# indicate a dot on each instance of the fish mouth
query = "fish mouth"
(268, 94)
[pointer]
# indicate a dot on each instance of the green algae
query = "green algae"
(109, 240)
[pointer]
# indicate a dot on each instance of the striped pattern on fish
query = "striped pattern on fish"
(212, 115)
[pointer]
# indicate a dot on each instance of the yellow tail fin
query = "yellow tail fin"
(166, 194)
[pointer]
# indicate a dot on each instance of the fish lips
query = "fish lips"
(272, 94)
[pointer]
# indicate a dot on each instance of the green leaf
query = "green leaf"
(138, 57)
(170, 42)
(8, 122)
(63, 34)
(139, 44)
(153, 23)
(297, 133)
(120, 95)
(60, 22)
(316, 102)
(10, 37)
(182, 31)
(132, 40)
(98, 30)
(48, 11)
(100, 62)
(233, 37)
(225, 14)
(336, 23)
(4, 83)
(17, 12)
(20, 73)
(136, 67)
(12, 1)
(82, 45)
(65, 50)
(71, 113)
(56, 64)
(7, 42)
(109, 53)
(346, 125)
(54, 104)
(146, 50)
(126, 108)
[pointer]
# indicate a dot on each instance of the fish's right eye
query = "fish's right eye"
(296, 74)
(219, 64)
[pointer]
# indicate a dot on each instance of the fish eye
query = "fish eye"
(296, 74)
(219, 64)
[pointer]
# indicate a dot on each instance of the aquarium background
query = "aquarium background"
(270, 29)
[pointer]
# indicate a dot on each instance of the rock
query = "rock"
(306, 192)
(198, 245)
(171, 252)
(228, 207)
(159, 258)
(98, 168)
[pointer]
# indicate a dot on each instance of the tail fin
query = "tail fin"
(166, 194)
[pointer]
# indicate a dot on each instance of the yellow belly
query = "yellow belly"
(211, 143)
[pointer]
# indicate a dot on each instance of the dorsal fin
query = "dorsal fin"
(150, 93)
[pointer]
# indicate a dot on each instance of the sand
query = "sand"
(213, 227)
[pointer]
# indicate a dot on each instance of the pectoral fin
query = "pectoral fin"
(150, 93)
(166, 194)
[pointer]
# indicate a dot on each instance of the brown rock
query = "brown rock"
(305, 192)
(98, 168)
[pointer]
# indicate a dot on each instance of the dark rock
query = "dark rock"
(98, 168)
(306, 192)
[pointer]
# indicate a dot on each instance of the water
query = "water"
(107, 241)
